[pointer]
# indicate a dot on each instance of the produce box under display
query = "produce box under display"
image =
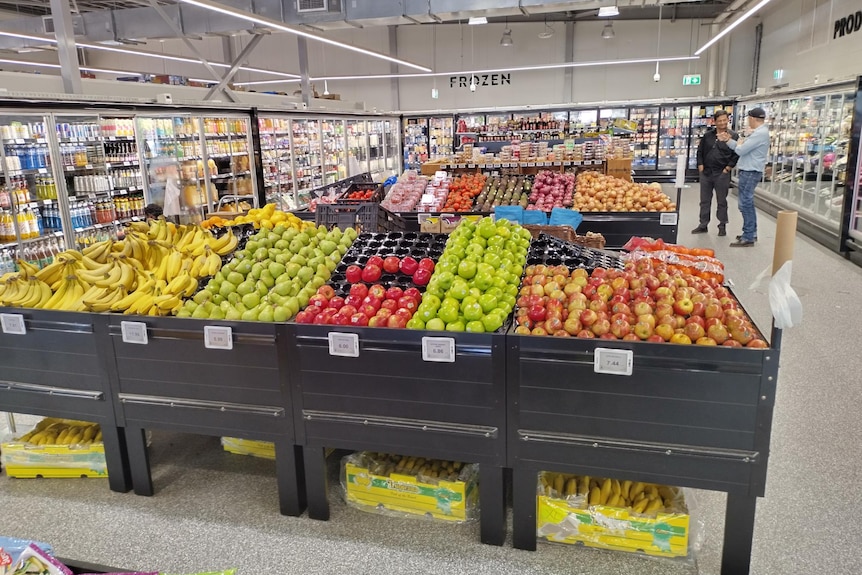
(370, 484)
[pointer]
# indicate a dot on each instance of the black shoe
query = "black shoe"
(722, 231)
(739, 237)
(742, 244)
(699, 230)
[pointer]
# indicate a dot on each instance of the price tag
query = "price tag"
(506, 164)
(471, 166)
(613, 361)
(43, 170)
(47, 202)
(218, 337)
(343, 344)
(19, 140)
(438, 349)
(13, 323)
(88, 167)
(134, 332)
(668, 218)
(482, 166)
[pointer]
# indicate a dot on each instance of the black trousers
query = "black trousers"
(719, 182)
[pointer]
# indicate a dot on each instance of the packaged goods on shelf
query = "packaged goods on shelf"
(34, 560)
(616, 515)
(56, 448)
(411, 486)
(699, 262)
(406, 193)
(255, 448)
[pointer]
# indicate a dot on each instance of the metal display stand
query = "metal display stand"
(58, 368)
(688, 416)
(184, 380)
(388, 399)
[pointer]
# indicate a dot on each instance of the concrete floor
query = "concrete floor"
(214, 510)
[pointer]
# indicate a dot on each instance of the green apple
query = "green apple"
(455, 326)
(475, 327)
(492, 321)
(473, 311)
(447, 313)
(467, 269)
(435, 324)
(445, 279)
(415, 323)
(488, 302)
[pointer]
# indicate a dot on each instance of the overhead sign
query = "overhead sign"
(691, 80)
(480, 80)
(847, 25)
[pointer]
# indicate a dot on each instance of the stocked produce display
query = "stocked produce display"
(610, 514)
(406, 193)
(465, 189)
(599, 193)
(56, 448)
(500, 191)
(551, 190)
(411, 486)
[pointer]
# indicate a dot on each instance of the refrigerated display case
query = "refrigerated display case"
(441, 137)
(334, 167)
(307, 158)
(376, 153)
(416, 149)
(674, 135)
(357, 147)
(392, 143)
(645, 156)
(584, 121)
(806, 167)
(277, 162)
(608, 115)
(228, 154)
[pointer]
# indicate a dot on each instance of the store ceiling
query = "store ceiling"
(43, 7)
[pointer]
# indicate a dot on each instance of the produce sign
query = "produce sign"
(647, 301)
(599, 193)
(476, 279)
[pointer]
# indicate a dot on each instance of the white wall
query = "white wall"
(803, 51)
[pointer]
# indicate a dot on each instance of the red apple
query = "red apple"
(335, 302)
(384, 312)
(326, 291)
(305, 316)
(757, 343)
(621, 308)
(421, 277)
(620, 327)
(409, 266)
(353, 300)
(408, 303)
(705, 341)
(694, 331)
(377, 291)
(426, 264)
(347, 310)
(522, 330)
(378, 321)
(359, 290)
(683, 306)
(601, 327)
(655, 338)
(680, 338)
(390, 264)
(731, 343)
(698, 308)
(643, 330)
(404, 313)
(368, 309)
(630, 337)
(359, 319)
(572, 325)
(371, 273)
(390, 304)
(414, 293)
(353, 274)
(538, 313)
(598, 305)
(664, 331)
(648, 319)
(525, 321)
(375, 261)
(588, 317)
(539, 331)
(553, 325)
(561, 333)
(341, 319)
(394, 293)
(318, 301)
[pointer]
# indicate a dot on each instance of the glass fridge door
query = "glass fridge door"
(123, 161)
(415, 142)
(855, 208)
(31, 218)
(334, 167)
(392, 145)
(228, 157)
(701, 121)
(673, 135)
(307, 159)
(357, 147)
(275, 152)
(832, 143)
(175, 174)
(583, 121)
(441, 136)
(375, 147)
(646, 139)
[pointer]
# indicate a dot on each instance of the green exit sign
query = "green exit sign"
(691, 80)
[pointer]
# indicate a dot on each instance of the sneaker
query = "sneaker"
(699, 230)
(722, 231)
(739, 237)
(742, 244)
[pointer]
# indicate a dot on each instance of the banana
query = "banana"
(98, 251)
(626, 488)
(637, 489)
(595, 496)
(58, 296)
(571, 486)
(559, 482)
(584, 485)
(127, 276)
(96, 267)
(27, 269)
(166, 302)
(606, 490)
(141, 306)
(45, 294)
(191, 288)
(179, 283)
(35, 293)
(615, 487)
(131, 299)
(640, 506)
(213, 264)
(162, 270)
(74, 254)
(654, 506)
(50, 273)
(175, 262)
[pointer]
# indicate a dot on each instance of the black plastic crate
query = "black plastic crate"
(553, 251)
(365, 216)
(376, 197)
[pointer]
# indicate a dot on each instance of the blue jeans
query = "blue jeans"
(747, 183)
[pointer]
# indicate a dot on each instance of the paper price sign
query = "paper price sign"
(343, 344)
(13, 323)
(438, 349)
(134, 332)
(613, 361)
(218, 337)
(668, 218)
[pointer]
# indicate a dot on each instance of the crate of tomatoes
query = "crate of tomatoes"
(362, 192)
(463, 191)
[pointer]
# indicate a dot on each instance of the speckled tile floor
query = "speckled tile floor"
(216, 510)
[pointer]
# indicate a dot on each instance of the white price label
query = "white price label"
(19, 140)
(343, 344)
(668, 218)
(506, 164)
(482, 166)
(471, 166)
(218, 337)
(134, 332)
(438, 349)
(613, 361)
(13, 323)
(43, 170)
(531, 164)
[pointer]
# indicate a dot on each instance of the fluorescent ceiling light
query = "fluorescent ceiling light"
(261, 82)
(608, 11)
(57, 67)
(736, 23)
(270, 23)
(514, 69)
(477, 20)
(145, 54)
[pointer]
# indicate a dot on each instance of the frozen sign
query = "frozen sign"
(480, 80)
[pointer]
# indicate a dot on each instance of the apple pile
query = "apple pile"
(374, 306)
(552, 190)
(647, 301)
(419, 271)
(476, 279)
(600, 193)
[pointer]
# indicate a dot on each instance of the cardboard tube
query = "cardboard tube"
(785, 237)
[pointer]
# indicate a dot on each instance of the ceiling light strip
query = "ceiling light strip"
(730, 28)
(57, 67)
(143, 53)
(270, 23)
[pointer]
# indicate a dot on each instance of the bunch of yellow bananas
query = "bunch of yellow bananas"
(18, 291)
(644, 498)
(51, 431)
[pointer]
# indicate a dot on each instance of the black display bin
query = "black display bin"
(690, 416)
(59, 368)
(174, 382)
(388, 399)
(619, 227)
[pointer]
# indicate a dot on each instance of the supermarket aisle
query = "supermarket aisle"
(215, 510)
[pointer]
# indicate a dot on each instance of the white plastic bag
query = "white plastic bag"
(785, 304)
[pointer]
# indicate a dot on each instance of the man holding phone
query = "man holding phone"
(715, 160)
